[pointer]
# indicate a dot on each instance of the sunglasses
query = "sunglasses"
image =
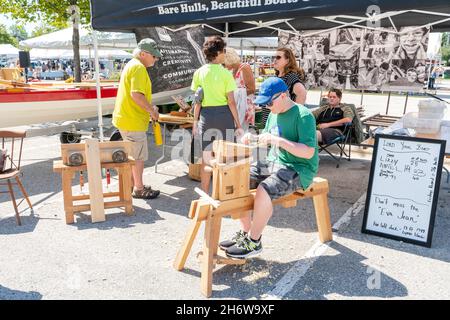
(278, 57)
(275, 97)
(154, 57)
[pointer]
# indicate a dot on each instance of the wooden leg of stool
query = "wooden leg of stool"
(67, 194)
(183, 253)
(120, 176)
(209, 247)
(323, 217)
(126, 184)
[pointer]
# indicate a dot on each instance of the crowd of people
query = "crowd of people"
(224, 108)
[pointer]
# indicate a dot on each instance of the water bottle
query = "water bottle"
(157, 133)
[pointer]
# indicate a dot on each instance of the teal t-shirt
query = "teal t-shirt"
(297, 125)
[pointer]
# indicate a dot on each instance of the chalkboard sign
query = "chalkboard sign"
(403, 188)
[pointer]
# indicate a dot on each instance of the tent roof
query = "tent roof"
(62, 39)
(39, 53)
(113, 15)
(9, 50)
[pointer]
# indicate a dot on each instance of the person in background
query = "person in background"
(133, 110)
(330, 118)
(286, 68)
(217, 116)
(245, 83)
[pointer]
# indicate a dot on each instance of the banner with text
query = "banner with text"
(181, 56)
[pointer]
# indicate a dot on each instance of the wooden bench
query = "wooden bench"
(379, 120)
(212, 211)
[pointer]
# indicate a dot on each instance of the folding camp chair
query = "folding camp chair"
(341, 142)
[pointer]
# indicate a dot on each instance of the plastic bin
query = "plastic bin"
(420, 124)
(431, 109)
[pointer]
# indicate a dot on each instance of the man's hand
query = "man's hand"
(267, 138)
(323, 125)
(248, 137)
(154, 113)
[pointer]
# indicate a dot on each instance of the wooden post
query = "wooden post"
(323, 217)
(183, 253)
(95, 180)
(209, 246)
(126, 185)
(67, 195)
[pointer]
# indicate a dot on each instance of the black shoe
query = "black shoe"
(244, 248)
(224, 245)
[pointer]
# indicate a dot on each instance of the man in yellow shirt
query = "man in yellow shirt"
(133, 110)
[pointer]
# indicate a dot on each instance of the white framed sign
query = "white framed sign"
(403, 188)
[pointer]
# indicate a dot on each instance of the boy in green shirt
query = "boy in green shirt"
(292, 163)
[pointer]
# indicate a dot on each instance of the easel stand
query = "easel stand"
(96, 195)
(231, 197)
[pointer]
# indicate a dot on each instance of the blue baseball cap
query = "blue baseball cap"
(268, 89)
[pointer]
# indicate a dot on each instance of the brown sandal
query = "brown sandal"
(145, 194)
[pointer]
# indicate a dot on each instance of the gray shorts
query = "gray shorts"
(139, 150)
(277, 179)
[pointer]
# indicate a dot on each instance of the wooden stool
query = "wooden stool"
(212, 211)
(124, 194)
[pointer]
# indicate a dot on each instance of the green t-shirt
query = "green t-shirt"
(127, 114)
(216, 82)
(297, 125)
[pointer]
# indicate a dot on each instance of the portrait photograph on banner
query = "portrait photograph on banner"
(329, 59)
(355, 58)
(393, 60)
(181, 55)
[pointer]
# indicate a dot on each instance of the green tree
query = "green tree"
(43, 29)
(5, 36)
(445, 48)
(18, 32)
(57, 13)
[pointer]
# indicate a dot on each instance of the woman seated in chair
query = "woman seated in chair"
(332, 117)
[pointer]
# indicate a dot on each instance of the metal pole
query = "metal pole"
(97, 83)
(362, 97)
(406, 102)
(389, 100)
(320, 96)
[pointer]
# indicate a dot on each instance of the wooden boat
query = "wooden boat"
(24, 104)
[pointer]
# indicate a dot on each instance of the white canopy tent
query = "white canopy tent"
(84, 54)
(9, 51)
(62, 39)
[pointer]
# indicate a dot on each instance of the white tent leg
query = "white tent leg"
(97, 83)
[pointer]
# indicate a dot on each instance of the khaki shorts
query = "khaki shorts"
(139, 151)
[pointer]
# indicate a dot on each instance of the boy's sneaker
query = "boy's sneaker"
(224, 245)
(244, 248)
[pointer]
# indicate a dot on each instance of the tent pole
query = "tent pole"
(226, 32)
(254, 60)
(242, 51)
(388, 101)
(97, 83)
(406, 102)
